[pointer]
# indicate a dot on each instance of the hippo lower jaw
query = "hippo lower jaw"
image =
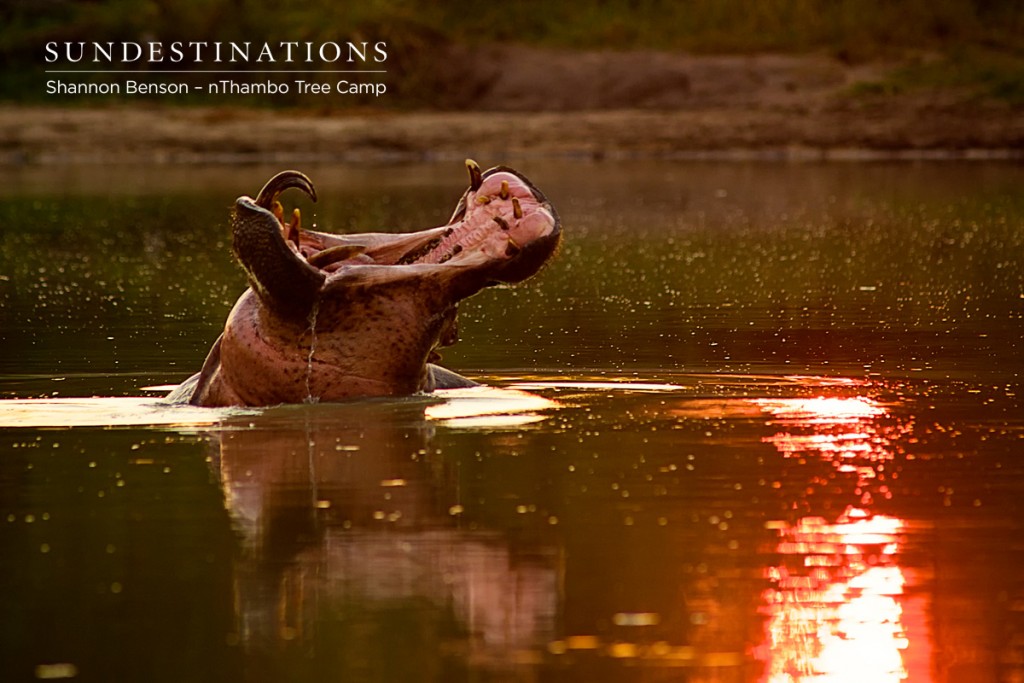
(333, 317)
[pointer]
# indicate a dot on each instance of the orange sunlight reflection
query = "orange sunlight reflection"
(836, 606)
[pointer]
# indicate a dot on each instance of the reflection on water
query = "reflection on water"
(837, 606)
(353, 545)
(731, 538)
(838, 613)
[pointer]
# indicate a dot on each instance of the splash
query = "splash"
(133, 411)
(488, 407)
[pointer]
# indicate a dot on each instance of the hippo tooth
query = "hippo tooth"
(416, 254)
(504, 189)
(476, 176)
(295, 227)
(483, 199)
(517, 209)
(512, 249)
(457, 249)
(502, 223)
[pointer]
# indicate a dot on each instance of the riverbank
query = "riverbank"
(516, 102)
(155, 135)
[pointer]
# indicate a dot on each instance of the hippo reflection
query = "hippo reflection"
(330, 317)
(355, 557)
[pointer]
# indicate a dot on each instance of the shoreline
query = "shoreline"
(894, 130)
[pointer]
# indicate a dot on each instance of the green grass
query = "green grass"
(989, 73)
(967, 71)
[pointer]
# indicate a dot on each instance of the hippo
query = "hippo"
(331, 317)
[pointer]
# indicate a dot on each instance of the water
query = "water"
(756, 423)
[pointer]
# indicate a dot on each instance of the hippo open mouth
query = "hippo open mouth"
(331, 317)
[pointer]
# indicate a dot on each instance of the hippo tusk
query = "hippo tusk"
(283, 281)
(476, 176)
(283, 181)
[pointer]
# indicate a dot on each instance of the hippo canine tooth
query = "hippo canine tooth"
(284, 180)
(517, 208)
(502, 223)
(476, 176)
(504, 190)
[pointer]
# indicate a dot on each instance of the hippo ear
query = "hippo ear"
(284, 282)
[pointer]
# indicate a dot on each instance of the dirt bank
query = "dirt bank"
(515, 102)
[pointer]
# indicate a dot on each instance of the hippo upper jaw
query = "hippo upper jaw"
(503, 230)
(331, 317)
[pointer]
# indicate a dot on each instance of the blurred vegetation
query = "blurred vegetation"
(974, 43)
(988, 72)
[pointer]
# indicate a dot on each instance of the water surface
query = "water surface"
(757, 422)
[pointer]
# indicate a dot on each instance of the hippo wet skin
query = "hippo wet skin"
(333, 317)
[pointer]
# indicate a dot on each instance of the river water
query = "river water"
(756, 422)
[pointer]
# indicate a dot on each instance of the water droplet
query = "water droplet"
(50, 672)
